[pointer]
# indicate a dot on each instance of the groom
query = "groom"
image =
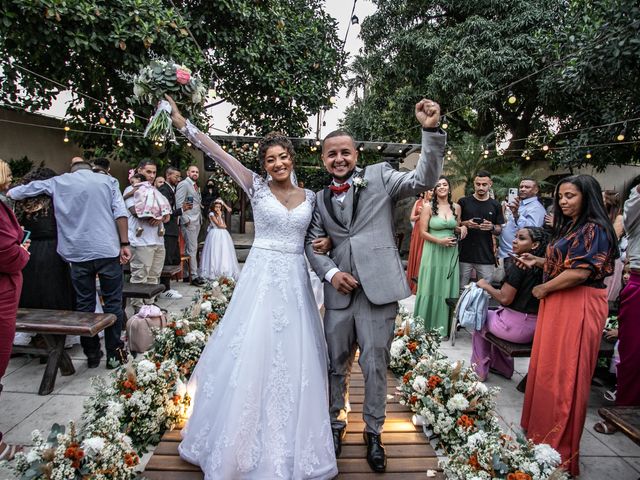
(364, 278)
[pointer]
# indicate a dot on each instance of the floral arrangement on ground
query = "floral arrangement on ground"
(457, 413)
(127, 414)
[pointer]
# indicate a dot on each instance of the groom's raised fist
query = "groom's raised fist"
(428, 113)
(344, 282)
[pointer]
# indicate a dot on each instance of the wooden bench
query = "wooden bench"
(627, 419)
(523, 350)
(139, 290)
(54, 326)
(168, 271)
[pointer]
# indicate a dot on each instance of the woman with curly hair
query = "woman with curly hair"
(515, 320)
(573, 311)
(47, 277)
(438, 279)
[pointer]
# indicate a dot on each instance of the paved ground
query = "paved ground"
(23, 410)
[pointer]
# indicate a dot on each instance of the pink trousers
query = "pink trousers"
(516, 327)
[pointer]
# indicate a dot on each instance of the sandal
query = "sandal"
(9, 452)
(610, 395)
(605, 427)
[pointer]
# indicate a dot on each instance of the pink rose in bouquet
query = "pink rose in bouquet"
(182, 76)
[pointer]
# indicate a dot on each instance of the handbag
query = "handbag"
(140, 328)
(471, 309)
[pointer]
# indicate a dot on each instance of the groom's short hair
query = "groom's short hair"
(339, 133)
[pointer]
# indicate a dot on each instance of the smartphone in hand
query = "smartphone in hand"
(189, 199)
(477, 220)
(27, 234)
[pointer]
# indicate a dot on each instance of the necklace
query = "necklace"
(279, 196)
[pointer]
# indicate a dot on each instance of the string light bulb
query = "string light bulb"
(317, 143)
(444, 123)
(65, 139)
(255, 145)
(404, 140)
(623, 132)
(379, 147)
(512, 99)
(545, 148)
(588, 155)
(486, 152)
(333, 100)
(189, 144)
(67, 128)
(102, 120)
(527, 157)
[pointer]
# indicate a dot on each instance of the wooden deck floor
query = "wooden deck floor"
(409, 455)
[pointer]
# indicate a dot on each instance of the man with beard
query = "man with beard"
(482, 215)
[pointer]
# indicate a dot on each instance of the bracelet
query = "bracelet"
(124, 244)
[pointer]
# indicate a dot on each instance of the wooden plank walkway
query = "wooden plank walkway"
(409, 455)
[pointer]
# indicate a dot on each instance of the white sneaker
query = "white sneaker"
(172, 294)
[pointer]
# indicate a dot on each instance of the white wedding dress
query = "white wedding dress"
(218, 254)
(260, 408)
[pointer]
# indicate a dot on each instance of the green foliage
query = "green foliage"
(20, 167)
(467, 56)
(276, 61)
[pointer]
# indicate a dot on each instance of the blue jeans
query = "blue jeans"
(83, 277)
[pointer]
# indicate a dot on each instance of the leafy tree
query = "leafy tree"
(276, 61)
(568, 65)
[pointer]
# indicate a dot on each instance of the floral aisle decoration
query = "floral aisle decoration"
(162, 77)
(494, 455)
(457, 413)
(131, 411)
(411, 342)
(450, 399)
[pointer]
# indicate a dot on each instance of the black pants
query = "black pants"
(171, 257)
(83, 277)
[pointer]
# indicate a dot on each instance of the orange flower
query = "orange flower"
(176, 399)
(171, 324)
(205, 296)
(212, 316)
(473, 461)
(179, 332)
(406, 377)
(518, 475)
(434, 381)
(465, 422)
(412, 346)
(413, 399)
(131, 459)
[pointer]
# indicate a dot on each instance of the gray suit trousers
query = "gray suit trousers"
(369, 327)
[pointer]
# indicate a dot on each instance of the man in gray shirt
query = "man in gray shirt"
(93, 238)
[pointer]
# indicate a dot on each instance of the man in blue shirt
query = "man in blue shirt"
(93, 238)
(526, 211)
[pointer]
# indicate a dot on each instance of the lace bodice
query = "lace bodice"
(277, 227)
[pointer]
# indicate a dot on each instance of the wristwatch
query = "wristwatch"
(124, 244)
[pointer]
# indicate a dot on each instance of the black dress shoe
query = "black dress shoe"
(94, 360)
(376, 458)
(338, 436)
(198, 282)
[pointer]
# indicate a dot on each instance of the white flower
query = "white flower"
(545, 454)
(359, 182)
(196, 97)
(114, 408)
(397, 347)
(479, 387)
(205, 307)
(138, 90)
(145, 366)
(93, 445)
(477, 439)
(33, 455)
(194, 336)
(420, 384)
(457, 402)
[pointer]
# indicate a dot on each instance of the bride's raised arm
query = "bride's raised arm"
(241, 174)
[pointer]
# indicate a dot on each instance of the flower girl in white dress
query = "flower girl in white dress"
(261, 408)
(218, 254)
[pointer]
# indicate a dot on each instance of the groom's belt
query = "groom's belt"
(277, 246)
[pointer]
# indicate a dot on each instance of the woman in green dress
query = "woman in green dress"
(439, 274)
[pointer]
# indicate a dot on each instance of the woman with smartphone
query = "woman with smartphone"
(438, 279)
(14, 254)
(515, 320)
(573, 311)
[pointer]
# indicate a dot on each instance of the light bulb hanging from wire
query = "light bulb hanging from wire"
(588, 155)
(623, 132)
(444, 123)
(512, 99)
(66, 138)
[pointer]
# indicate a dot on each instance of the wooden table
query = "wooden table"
(54, 326)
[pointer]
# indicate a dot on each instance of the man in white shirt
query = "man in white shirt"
(147, 247)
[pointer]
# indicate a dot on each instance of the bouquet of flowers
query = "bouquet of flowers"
(493, 456)
(450, 399)
(106, 455)
(162, 77)
(411, 342)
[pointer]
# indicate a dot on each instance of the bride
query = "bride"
(260, 410)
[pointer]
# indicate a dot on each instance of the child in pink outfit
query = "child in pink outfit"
(149, 202)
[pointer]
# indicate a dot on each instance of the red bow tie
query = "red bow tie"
(338, 189)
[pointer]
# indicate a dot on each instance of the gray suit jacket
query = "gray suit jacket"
(365, 246)
(183, 190)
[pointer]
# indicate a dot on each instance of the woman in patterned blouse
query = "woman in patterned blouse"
(571, 318)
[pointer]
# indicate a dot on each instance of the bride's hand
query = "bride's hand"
(176, 117)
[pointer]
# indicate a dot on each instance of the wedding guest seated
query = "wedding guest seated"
(515, 320)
